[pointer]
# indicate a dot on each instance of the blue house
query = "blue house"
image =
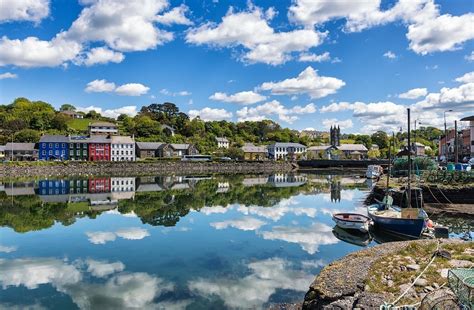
(53, 147)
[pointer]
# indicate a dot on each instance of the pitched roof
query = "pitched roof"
(287, 144)
(19, 146)
(2, 148)
(251, 148)
(149, 145)
(319, 147)
(181, 146)
(221, 139)
(98, 139)
(468, 118)
(106, 124)
(122, 139)
(54, 139)
(352, 147)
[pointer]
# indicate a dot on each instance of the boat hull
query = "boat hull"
(407, 228)
(362, 226)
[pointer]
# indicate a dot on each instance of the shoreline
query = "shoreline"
(138, 168)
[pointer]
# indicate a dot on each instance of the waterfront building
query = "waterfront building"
(147, 149)
(78, 148)
(222, 142)
(252, 152)
(21, 151)
(20, 188)
(122, 188)
(99, 148)
(53, 147)
(286, 150)
(353, 151)
(468, 137)
(320, 151)
(177, 150)
(122, 148)
(99, 185)
(287, 179)
(103, 128)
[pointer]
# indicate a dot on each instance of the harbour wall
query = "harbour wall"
(345, 163)
(34, 169)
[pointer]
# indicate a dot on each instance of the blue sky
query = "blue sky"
(302, 63)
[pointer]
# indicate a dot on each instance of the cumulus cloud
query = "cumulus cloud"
(33, 52)
(274, 107)
(307, 82)
(176, 16)
(7, 249)
(244, 97)
(278, 211)
(214, 209)
(23, 10)
(102, 269)
(101, 237)
(210, 114)
(245, 223)
(101, 55)
(254, 290)
(8, 75)
(250, 29)
(343, 124)
(131, 233)
(309, 57)
(470, 57)
(428, 30)
(309, 238)
(130, 89)
(390, 55)
(458, 98)
(414, 93)
(466, 78)
(183, 93)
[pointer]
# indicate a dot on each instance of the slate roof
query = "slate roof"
(54, 139)
(181, 146)
(222, 140)
(319, 147)
(122, 139)
(287, 144)
(352, 147)
(20, 146)
(250, 148)
(102, 124)
(149, 145)
(98, 139)
(2, 148)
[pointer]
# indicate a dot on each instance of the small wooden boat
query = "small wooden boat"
(352, 221)
(374, 171)
(408, 223)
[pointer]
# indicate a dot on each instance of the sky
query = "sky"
(306, 64)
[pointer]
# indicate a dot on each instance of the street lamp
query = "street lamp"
(446, 137)
(414, 132)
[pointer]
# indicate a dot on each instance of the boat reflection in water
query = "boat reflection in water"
(352, 237)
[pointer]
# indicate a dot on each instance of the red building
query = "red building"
(100, 185)
(99, 148)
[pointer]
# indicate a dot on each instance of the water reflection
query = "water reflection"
(169, 242)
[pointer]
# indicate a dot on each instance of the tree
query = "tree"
(380, 138)
(60, 122)
(27, 135)
(374, 153)
(67, 107)
(365, 140)
(145, 127)
(92, 114)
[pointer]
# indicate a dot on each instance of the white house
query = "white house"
(122, 188)
(222, 143)
(282, 150)
(123, 148)
(103, 128)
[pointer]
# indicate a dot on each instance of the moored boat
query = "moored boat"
(352, 221)
(374, 171)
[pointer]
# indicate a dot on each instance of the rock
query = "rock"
(435, 285)
(404, 287)
(421, 282)
(456, 263)
(429, 289)
(444, 272)
(403, 268)
(389, 283)
(413, 267)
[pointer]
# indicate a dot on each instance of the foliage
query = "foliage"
(27, 135)
(418, 163)
(67, 107)
(373, 153)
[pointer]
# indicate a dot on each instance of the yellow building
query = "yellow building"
(253, 152)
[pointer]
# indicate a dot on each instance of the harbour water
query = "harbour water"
(171, 242)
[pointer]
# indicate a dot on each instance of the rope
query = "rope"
(437, 186)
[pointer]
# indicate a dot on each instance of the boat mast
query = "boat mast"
(409, 161)
(389, 161)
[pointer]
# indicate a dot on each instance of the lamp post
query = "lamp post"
(446, 137)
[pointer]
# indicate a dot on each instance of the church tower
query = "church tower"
(335, 136)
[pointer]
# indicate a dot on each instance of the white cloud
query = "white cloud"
(32, 52)
(100, 86)
(244, 97)
(23, 10)
(214, 209)
(466, 78)
(254, 290)
(103, 269)
(309, 82)
(176, 16)
(309, 238)
(428, 30)
(210, 114)
(132, 89)
(132, 233)
(245, 223)
(278, 211)
(122, 25)
(457, 98)
(306, 57)
(343, 124)
(274, 107)
(8, 75)
(100, 237)
(470, 57)
(7, 249)
(414, 93)
(251, 30)
(32, 272)
(113, 113)
(101, 55)
(390, 55)
(183, 93)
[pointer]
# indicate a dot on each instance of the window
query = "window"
(50, 145)
(44, 152)
(64, 145)
(50, 152)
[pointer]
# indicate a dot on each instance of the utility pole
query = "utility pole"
(446, 137)
(456, 156)
(409, 161)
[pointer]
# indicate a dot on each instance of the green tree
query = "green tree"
(67, 107)
(374, 153)
(27, 135)
(380, 138)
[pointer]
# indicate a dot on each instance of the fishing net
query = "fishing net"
(461, 282)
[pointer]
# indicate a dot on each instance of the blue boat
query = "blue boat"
(408, 223)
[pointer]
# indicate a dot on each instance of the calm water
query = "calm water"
(203, 242)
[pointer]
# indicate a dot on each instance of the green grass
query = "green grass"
(75, 207)
(79, 124)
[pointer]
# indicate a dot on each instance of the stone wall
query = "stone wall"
(138, 168)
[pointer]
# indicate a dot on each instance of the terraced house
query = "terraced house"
(78, 148)
(123, 148)
(99, 148)
(54, 147)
